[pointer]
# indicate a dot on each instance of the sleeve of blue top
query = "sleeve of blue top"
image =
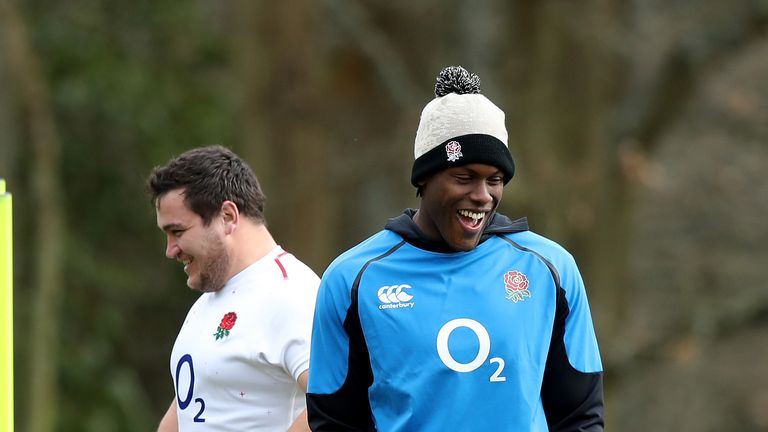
(572, 391)
(340, 370)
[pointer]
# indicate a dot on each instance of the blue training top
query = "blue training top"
(410, 337)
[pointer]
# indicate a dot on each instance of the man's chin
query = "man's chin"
(203, 287)
(465, 243)
(195, 285)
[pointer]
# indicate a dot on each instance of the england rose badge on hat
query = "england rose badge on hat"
(453, 150)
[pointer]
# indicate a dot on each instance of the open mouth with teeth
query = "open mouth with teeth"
(186, 262)
(471, 220)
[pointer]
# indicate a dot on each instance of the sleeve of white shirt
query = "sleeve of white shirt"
(293, 310)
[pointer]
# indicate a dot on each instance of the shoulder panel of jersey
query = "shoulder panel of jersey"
(572, 389)
(580, 339)
(292, 302)
(332, 308)
(340, 370)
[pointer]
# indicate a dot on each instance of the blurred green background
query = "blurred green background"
(639, 128)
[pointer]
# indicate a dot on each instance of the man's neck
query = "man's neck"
(252, 243)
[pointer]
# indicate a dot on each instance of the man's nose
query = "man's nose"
(481, 193)
(171, 248)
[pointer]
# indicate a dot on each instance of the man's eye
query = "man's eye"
(495, 180)
(463, 179)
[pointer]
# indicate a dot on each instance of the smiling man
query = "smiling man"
(241, 357)
(454, 317)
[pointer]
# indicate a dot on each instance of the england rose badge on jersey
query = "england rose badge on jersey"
(226, 324)
(516, 286)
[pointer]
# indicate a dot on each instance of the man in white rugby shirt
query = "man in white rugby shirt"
(240, 360)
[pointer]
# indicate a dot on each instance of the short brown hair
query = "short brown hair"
(209, 176)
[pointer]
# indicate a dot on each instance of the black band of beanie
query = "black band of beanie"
(475, 148)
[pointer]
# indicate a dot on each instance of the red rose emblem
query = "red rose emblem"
(515, 280)
(226, 325)
(516, 285)
(453, 150)
(228, 321)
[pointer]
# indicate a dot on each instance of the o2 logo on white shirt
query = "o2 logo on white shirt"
(186, 359)
(482, 353)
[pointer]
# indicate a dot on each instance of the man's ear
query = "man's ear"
(230, 216)
(420, 188)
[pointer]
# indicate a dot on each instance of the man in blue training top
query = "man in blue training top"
(454, 317)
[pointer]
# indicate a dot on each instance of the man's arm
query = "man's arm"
(301, 424)
(170, 422)
(337, 397)
(572, 390)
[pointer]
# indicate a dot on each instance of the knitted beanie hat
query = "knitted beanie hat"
(459, 127)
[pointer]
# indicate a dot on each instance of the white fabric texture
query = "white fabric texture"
(246, 380)
(454, 115)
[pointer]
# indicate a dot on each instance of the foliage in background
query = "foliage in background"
(633, 147)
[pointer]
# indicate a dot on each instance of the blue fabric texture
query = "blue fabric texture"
(408, 338)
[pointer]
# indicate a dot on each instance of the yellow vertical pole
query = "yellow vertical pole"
(6, 310)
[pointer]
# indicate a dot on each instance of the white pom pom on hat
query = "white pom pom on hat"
(459, 127)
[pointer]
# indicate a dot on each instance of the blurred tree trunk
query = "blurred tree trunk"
(608, 190)
(285, 138)
(570, 72)
(46, 193)
(481, 23)
(250, 69)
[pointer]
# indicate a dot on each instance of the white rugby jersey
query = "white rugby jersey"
(240, 350)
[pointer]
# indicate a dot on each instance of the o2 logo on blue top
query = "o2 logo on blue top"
(482, 353)
(186, 360)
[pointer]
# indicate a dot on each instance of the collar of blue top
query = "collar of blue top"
(406, 228)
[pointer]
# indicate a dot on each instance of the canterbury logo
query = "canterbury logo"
(395, 296)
